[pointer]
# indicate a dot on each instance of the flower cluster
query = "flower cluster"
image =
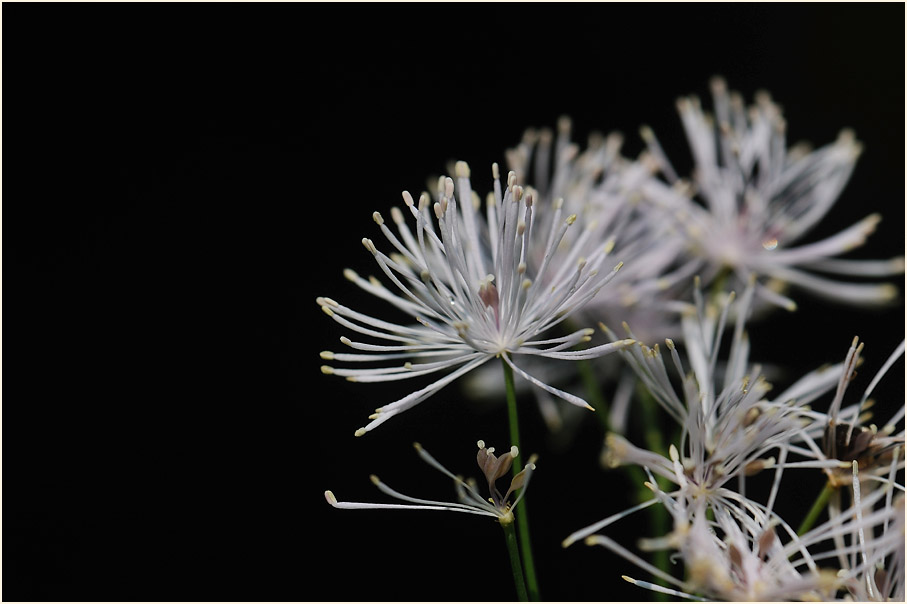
(525, 276)
(729, 425)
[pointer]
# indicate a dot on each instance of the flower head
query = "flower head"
(729, 424)
(477, 287)
(493, 468)
(604, 189)
(758, 198)
(740, 554)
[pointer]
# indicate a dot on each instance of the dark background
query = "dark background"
(180, 189)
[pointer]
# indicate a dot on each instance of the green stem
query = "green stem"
(522, 516)
(517, 568)
(814, 512)
(594, 392)
(658, 517)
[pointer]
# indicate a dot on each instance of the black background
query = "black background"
(183, 181)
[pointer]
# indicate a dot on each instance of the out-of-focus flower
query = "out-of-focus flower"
(744, 555)
(872, 559)
(477, 288)
(493, 467)
(758, 198)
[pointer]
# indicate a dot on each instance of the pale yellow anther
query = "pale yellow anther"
(326, 355)
(376, 216)
(462, 169)
(327, 370)
(571, 219)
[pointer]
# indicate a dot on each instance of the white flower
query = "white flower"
(744, 555)
(758, 198)
(872, 559)
(728, 424)
(601, 187)
(473, 289)
(604, 188)
(497, 506)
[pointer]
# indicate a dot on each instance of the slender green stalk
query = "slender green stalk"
(594, 392)
(814, 512)
(522, 516)
(658, 516)
(515, 565)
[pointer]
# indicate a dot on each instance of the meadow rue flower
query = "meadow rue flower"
(872, 560)
(493, 468)
(728, 424)
(758, 198)
(604, 188)
(476, 286)
(601, 187)
(745, 555)
(730, 428)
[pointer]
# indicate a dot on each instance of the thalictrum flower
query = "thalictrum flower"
(493, 468)
(601, 187)
(473, 289)
(728, 424)
(751, 199)
(604, 188)
(743, 554)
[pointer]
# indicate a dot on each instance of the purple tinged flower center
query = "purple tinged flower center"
(488, 294)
